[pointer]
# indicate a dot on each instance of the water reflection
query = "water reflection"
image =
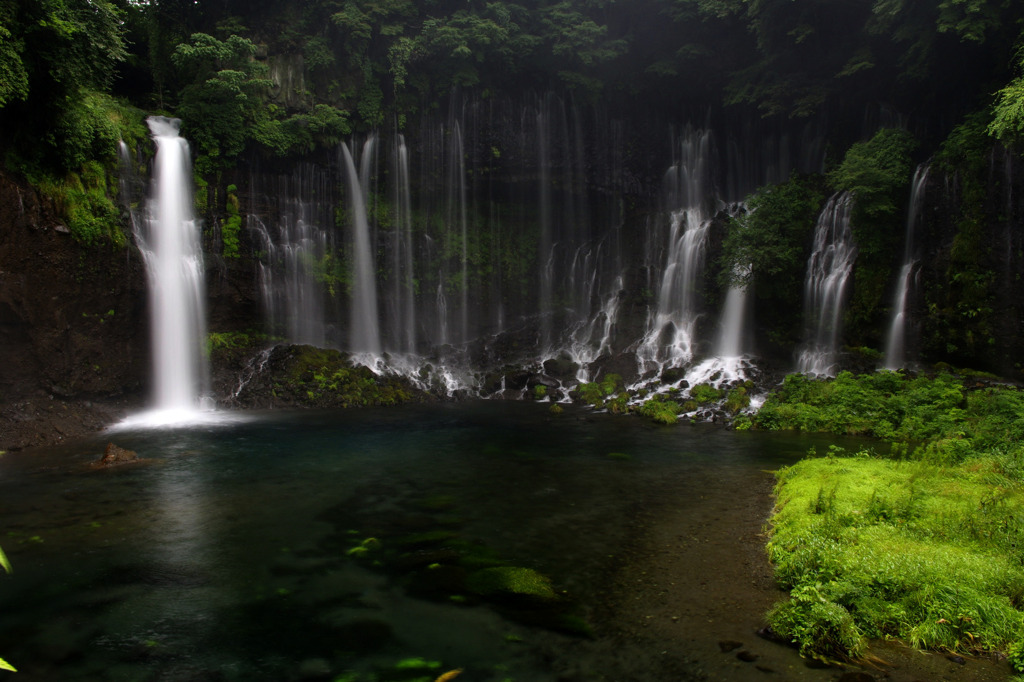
(337, 544)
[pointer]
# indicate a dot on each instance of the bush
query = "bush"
(660, 410)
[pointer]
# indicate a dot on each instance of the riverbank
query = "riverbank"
(43, 420)
(695, 592)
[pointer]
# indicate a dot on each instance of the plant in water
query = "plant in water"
(4, 665)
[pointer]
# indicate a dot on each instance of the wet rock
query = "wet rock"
(561, 367)
(959, 660)
(542, 380)
(727, 645)
(516, 380)
(856, 677)
(671, 375)
(747, 656)
(115, 455)
(314, 669)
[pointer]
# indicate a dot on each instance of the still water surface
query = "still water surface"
(228, 554)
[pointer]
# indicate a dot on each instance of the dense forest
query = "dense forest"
(531, 126)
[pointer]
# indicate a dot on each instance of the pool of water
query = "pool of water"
(349, 545)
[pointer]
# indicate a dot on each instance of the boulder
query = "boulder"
(114, 455)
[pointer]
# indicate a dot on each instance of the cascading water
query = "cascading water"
(729, 362)
(365, 331)
(895, 347)
(294, 243)
(828, 270)
(403, 302)
(168, 238)
(669, 341)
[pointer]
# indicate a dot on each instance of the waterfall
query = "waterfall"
(828, 270)
(895, 347)
(547, 247)
(403, 304)
(669, 341)
(592, 338)
(169, 240)
(364, 333)
(291, 222)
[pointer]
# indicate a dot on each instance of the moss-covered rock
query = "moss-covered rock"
(306, 376)
(512, 581)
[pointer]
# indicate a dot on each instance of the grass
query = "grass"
(925, 545)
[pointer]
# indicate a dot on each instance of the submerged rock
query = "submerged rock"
(114, 455)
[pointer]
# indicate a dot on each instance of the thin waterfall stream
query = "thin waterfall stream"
(895, 346)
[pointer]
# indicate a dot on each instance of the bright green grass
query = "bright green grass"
(873, 548)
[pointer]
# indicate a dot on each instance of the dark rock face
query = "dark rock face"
(72, 317)
(72, 324)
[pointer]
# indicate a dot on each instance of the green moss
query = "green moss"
(736, 399)
(660, 410)
(234, 340)
(706, 393)
(514, 581)
(84, 200)
(230, 228)
(596, 394)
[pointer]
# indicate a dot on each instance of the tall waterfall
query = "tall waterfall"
(365, 330)
(895, 347)
(169, 240)
(828, 270)
(670, 339)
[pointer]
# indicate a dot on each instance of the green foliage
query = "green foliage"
(706, 393)
(325, 378)
(960, 305)
(84, 201)
(736, 399)
(876, 173)
(1007, 124)
(767, 246)
(54, 55)
(926, 553)
(930, 419)
(596, 393)
(234, 340)
(661, 410)
(884, 404)
(230, 228)
(222, 100)
(6, 565)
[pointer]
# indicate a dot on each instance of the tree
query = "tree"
(53, 54)
(221, 102)
(766, 249)
(1007, 124)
